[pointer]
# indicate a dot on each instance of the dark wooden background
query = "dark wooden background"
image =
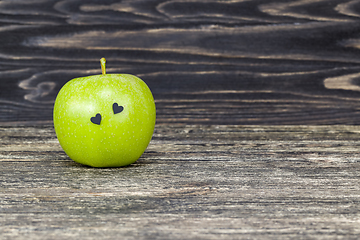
(213, 66)
(207, 62)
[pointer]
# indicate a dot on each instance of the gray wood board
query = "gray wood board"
(206, 62)
(193, 182)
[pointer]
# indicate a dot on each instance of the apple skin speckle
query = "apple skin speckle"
(121, 138)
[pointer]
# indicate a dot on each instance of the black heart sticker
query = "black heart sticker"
(96, 119)
(117, 108)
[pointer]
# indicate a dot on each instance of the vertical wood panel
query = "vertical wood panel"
(209, 62)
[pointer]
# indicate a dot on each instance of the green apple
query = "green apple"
(105, 120)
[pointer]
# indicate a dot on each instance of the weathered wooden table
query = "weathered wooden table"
(193, 182)
(238, 85)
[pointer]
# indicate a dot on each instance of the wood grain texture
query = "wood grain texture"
(193, 182)
(207, 62)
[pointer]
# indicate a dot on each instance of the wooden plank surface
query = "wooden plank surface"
(193, 182)
(207, 62)
(224, 74)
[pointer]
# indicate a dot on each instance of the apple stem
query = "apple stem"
(102, 63)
